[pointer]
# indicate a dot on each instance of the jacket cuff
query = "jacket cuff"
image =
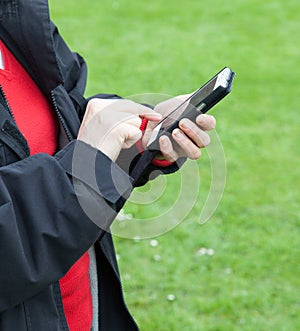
(162, 163)
(96, 170)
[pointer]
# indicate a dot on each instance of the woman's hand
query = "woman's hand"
(190, 136)
(113, 124)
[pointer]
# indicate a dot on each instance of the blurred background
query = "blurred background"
(240, 270)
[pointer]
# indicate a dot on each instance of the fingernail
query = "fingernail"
(185, 124)
(164, 140)
(178, 134)
(201, 119)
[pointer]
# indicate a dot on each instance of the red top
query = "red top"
(38, 123)
(31, 110)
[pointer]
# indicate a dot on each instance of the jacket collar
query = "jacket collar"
(26, 29)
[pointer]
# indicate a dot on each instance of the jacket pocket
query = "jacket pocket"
(45, 312)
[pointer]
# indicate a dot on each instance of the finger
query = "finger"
(198, 136)
(206, 122)
(167, 149)
(119, 137)
(188, 148)
(125, 117)
(154, 117)
(130, 135)
(121, 105)
(134, 108)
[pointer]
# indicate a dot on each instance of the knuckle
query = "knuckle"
(93, 105)
(192, 152)
(137, 134)
(169, 156)
(92, 102)
(172, 158)
(205, 140)
(138, 121)
(133, 120)
(195, 155)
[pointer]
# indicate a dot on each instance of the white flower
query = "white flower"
(228, 271)
(202, 251)
(154, 243)
(171, 297)
(205, 251)
(156, 257)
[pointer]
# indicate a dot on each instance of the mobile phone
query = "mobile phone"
(198, 103)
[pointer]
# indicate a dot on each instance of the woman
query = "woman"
(58, 266)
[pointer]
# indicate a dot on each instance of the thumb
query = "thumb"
(130, 134)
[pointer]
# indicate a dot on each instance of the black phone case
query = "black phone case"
(193, 110)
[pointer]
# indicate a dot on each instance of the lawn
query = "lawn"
(240, 270)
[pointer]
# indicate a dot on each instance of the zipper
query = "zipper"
(11, 131)
(4, 100)
(5, 103)
(60, 118)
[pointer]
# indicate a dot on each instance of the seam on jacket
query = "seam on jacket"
(27, 317)
(60, 307)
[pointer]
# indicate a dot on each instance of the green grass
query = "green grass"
(251, 282)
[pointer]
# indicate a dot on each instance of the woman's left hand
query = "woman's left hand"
(190, 137)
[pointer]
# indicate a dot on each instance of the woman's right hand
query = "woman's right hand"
(113, 124)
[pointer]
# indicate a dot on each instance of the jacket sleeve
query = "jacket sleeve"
(52, 209)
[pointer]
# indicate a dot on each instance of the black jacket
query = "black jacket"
(43, 226)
